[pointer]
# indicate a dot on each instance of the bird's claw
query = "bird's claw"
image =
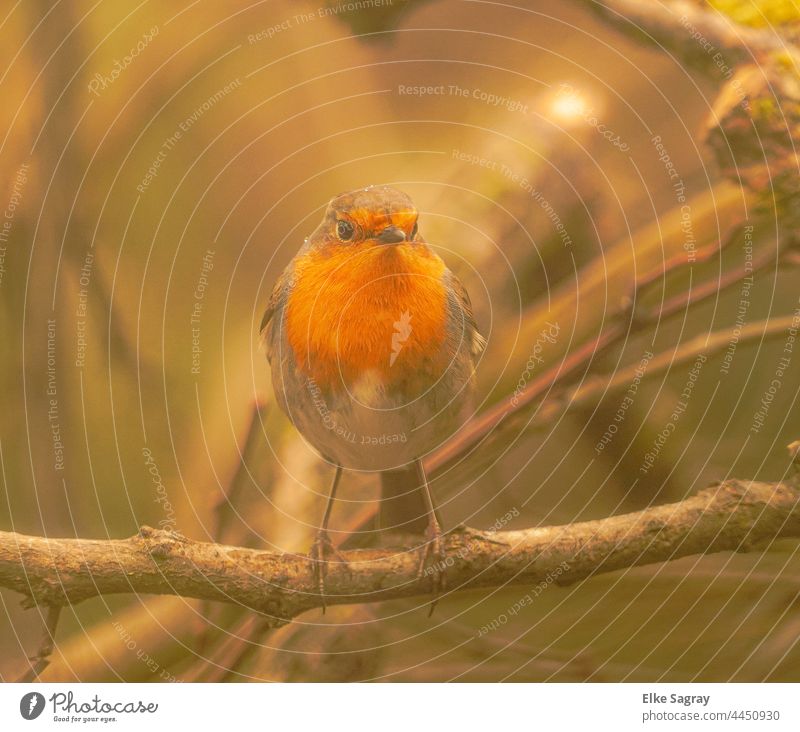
(433, 549)
(321, 551)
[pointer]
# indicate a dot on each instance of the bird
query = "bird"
(373, 347)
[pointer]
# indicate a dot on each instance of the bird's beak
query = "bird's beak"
(392, 235)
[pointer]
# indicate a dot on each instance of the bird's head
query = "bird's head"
(378, 217)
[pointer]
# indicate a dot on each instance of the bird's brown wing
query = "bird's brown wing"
(274, 306)
(464, 314)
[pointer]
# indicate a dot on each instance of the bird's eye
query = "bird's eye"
(414, 231)
(344, 230)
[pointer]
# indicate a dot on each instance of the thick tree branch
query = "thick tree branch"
(734, 515)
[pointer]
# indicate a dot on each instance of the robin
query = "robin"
(372, 346)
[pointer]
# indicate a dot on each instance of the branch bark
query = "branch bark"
(734, 515)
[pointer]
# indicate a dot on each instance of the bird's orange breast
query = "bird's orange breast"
(377, 310)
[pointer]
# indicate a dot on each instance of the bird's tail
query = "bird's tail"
(403, 508)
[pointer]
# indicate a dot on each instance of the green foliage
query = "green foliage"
(759, 13)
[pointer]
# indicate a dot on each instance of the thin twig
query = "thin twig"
(622, 323)
(712, 287)
(224, 507)
(229, 498)
(41, 660)
(236, 636)
(595, 388)
(240, 652)
(707, 344)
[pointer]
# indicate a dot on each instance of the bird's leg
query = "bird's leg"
(433, 548)
(323, 548)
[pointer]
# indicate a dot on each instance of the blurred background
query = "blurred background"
(162, 163)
